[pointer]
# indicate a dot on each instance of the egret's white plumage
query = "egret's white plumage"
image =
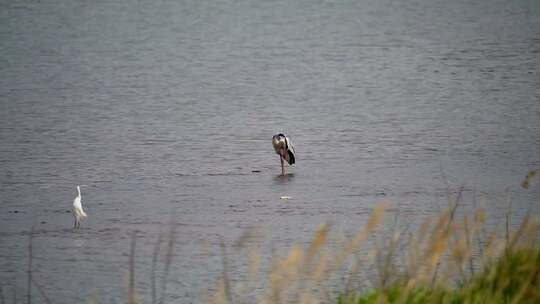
(284, 147)
(78, 211)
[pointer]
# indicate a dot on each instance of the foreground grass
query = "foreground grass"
(446, 260)
(514, 278)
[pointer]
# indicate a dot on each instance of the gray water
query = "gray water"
(156, 106)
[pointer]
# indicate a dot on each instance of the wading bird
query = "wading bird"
(78, 211)
(284, 147)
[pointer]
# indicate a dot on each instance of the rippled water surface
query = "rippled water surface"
(165, 109)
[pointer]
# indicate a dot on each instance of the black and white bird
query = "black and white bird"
(284, 147)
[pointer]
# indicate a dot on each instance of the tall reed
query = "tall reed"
(437, 262)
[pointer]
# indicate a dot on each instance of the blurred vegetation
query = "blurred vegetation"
(443, 262)
(514, 278)
(446, 260)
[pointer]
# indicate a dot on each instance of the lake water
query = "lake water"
(168, 107)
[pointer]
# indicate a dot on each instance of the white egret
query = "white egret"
(284, 147)
(78, 211)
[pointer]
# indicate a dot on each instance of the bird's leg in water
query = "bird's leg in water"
(282, 166)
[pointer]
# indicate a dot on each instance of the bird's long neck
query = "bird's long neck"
(79, 190)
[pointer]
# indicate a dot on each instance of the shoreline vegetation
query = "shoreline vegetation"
(446, 260)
